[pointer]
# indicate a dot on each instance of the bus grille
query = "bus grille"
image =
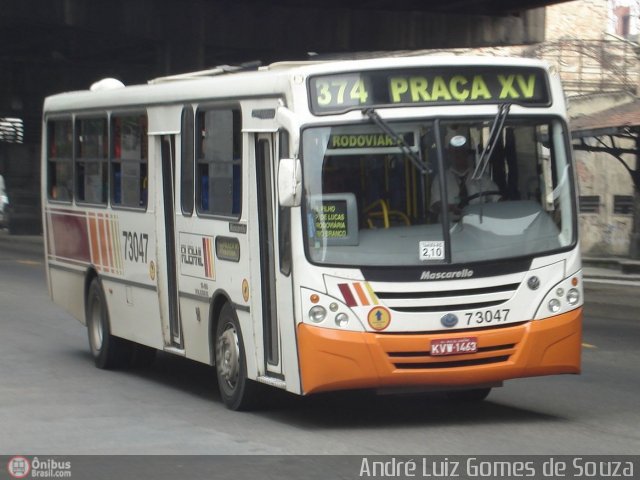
(446, 301)
(452, 363)
(424, 360)
(413, 351)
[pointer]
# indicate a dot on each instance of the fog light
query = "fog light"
(317, 314)
(333, 306)
(560, 292)
(554, 305)
(342, 319)
(534, 283)
(573, 296)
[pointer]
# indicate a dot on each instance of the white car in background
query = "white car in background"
(4, 203)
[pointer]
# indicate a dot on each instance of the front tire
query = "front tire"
(236, 390)
(108, 352)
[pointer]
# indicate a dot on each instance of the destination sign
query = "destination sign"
(367, 140)
(228, 248)
(331, 220)
(452, 85)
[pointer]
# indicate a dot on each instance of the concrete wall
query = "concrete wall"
(583, 19)
(603, 234)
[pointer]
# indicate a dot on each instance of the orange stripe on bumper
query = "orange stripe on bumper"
(338, 360)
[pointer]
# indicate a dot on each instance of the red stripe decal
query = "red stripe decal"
(207, 268)
(70, 236)
(348, 296)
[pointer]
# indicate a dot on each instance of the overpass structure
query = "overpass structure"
(62, 45)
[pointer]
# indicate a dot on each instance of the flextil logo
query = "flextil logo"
(19, 467)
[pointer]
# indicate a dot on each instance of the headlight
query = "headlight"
(342, 319)
(317, 314)
(554, 305)
(573, 296)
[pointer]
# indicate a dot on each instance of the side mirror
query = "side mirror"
(289, 182)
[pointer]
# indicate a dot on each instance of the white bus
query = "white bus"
(288, 224)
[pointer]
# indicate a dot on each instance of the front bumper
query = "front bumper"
(339, 360)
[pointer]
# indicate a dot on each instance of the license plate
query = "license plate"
(454, 346)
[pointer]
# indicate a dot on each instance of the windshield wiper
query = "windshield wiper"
(494, 136)
(406, 149)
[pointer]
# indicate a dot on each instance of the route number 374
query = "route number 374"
(341, 91)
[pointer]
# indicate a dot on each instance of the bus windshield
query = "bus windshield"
(367, 202)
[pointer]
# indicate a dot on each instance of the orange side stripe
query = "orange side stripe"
(361, 295)
(210, 253)
(112, 260)
(93, 236)
(103, 242)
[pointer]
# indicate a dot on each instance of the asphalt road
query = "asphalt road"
(54, 401)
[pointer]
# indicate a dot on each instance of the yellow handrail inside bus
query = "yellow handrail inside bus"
(386, 214)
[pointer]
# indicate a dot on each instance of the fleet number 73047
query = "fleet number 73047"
(487, 316)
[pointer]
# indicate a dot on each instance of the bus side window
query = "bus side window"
(187, 162)
(219, 162)
(129, 161)
(59, 160)
(92, 150)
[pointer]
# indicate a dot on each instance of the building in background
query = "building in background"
(594, 45)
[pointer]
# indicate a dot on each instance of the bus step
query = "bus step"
(274, 382)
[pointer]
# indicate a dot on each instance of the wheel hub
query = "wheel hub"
(96, 325)
(228, 356)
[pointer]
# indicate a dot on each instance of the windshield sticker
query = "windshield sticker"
(431, 250)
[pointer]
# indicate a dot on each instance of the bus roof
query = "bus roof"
(235, 82)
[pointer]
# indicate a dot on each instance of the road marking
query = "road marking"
(633, 283)
(28, 262)
(588, 345)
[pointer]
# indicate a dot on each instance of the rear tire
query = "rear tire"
(108, 352)
(236, 390)
(474, 395)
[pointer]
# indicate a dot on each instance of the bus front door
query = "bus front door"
(275, 283)
(168, 276)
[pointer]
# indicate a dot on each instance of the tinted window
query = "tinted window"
(91, 160)
(129, 165)
(219, 162)
(59, 160)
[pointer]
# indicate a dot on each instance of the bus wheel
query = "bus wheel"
(474, 395)
(108, 351)
(237, 391)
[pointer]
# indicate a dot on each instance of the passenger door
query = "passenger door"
(274, 282)
(167, 271)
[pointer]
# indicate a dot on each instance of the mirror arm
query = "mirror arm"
(288, 120)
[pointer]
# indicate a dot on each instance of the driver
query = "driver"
(462, 190)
